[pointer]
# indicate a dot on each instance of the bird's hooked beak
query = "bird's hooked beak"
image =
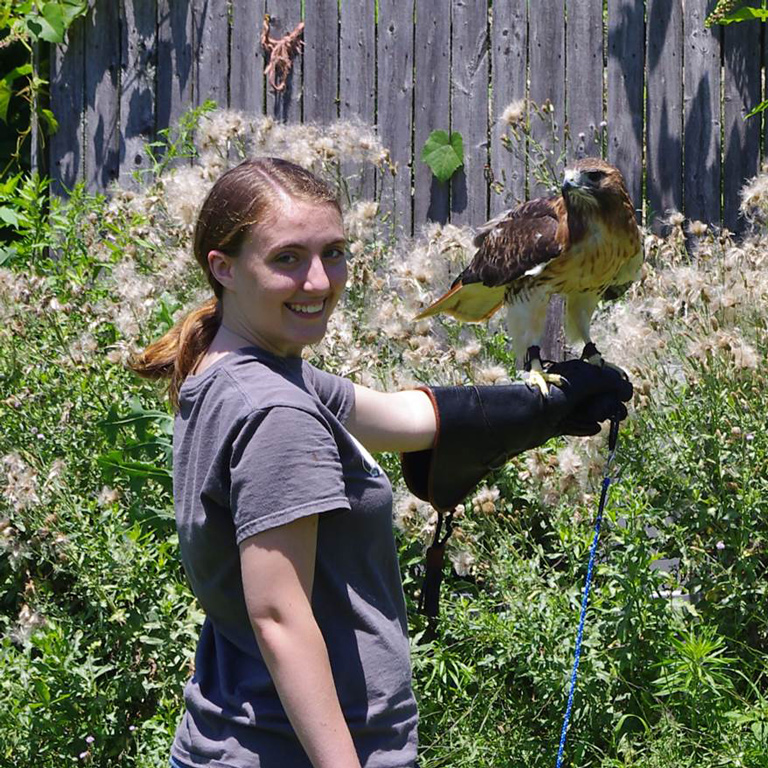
(571, 180)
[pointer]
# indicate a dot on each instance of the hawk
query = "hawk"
(583, 244)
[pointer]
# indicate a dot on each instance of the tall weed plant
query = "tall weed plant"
(99, 627)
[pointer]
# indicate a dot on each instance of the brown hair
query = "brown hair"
(242, 197)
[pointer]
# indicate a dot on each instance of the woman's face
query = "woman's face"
(289, 276)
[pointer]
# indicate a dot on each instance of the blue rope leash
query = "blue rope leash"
(612, 438)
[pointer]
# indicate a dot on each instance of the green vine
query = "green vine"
(732, 12)
(25, 23)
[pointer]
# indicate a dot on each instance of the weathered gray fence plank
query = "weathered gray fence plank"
(138, 52)
(665, 108)
(701, 173)
(357, 83)
(509, 63)
(626, 58)
(210, 51)
(584, 97)
(431, 106)
(65, 150)
(395, 107)
(469, 110)
(742, 92)
(174, 61)
(246, 70)
(546, 44)
(284, 15)
(102, 103)
(321, 61)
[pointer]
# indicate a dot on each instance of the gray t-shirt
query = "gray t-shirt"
(259, 441)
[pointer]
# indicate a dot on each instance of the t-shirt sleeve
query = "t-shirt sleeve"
(335, 392)
(285, 465)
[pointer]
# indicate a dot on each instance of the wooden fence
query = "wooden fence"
(668, 95)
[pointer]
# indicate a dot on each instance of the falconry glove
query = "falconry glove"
(481, 428)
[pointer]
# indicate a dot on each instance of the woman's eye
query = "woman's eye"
(335, 253)
(285, 258)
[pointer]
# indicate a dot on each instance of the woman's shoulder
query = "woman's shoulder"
(249, 380)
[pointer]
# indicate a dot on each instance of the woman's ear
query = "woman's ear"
(222, 267)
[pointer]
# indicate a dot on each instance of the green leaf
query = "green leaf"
(443, 153)
(17, 72)
(9, 216)
(50, 120)
(7, 253)
(745, 14)
(5, 100)
(757, 110)
(51, 23)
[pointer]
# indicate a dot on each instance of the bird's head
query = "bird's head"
(592, 183)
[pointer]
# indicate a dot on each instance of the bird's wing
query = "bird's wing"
(518, 243)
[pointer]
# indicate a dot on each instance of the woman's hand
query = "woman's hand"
(278, 568)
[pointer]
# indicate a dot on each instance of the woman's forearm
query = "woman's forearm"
(297, 658)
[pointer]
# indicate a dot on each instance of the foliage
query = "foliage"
(443, 152)
(24, 23)
(97, 624)
(734, 11)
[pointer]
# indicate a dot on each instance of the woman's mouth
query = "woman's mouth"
(307, 310)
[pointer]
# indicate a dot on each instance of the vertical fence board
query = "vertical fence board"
(432, 47)
(742, 93)
(357, 89)
(394, 113)
(509, 62)
(174, 61)
(665, 108)
(137, 84)
(701, 168)
(546, 41)
(321, 62)
(210, 51)
(246, 70)
(469, 110)
(102, 103)
(65, 158)
(625, 85)
(584, 98)
(284, 15)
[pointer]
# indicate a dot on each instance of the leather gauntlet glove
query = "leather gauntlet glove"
(481, 428)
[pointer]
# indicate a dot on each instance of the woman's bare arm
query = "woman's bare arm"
(392, 421)
(278, 567)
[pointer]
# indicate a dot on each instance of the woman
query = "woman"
(284, 518)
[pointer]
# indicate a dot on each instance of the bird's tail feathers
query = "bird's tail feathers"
(470, 303)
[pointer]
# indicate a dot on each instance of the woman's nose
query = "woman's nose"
(317, 278)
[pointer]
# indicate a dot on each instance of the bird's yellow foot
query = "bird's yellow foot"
(535, 376)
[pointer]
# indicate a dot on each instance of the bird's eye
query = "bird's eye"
(595, 175)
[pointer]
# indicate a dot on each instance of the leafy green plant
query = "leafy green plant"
(443, 152)
(732, 12)
(25, 23)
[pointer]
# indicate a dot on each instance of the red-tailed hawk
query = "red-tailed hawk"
(584, 244)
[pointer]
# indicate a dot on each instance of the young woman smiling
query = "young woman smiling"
(284, 517)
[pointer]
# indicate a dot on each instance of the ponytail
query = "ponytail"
(176, 354)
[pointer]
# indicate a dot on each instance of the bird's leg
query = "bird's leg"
(591, 354)
(534, 372)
